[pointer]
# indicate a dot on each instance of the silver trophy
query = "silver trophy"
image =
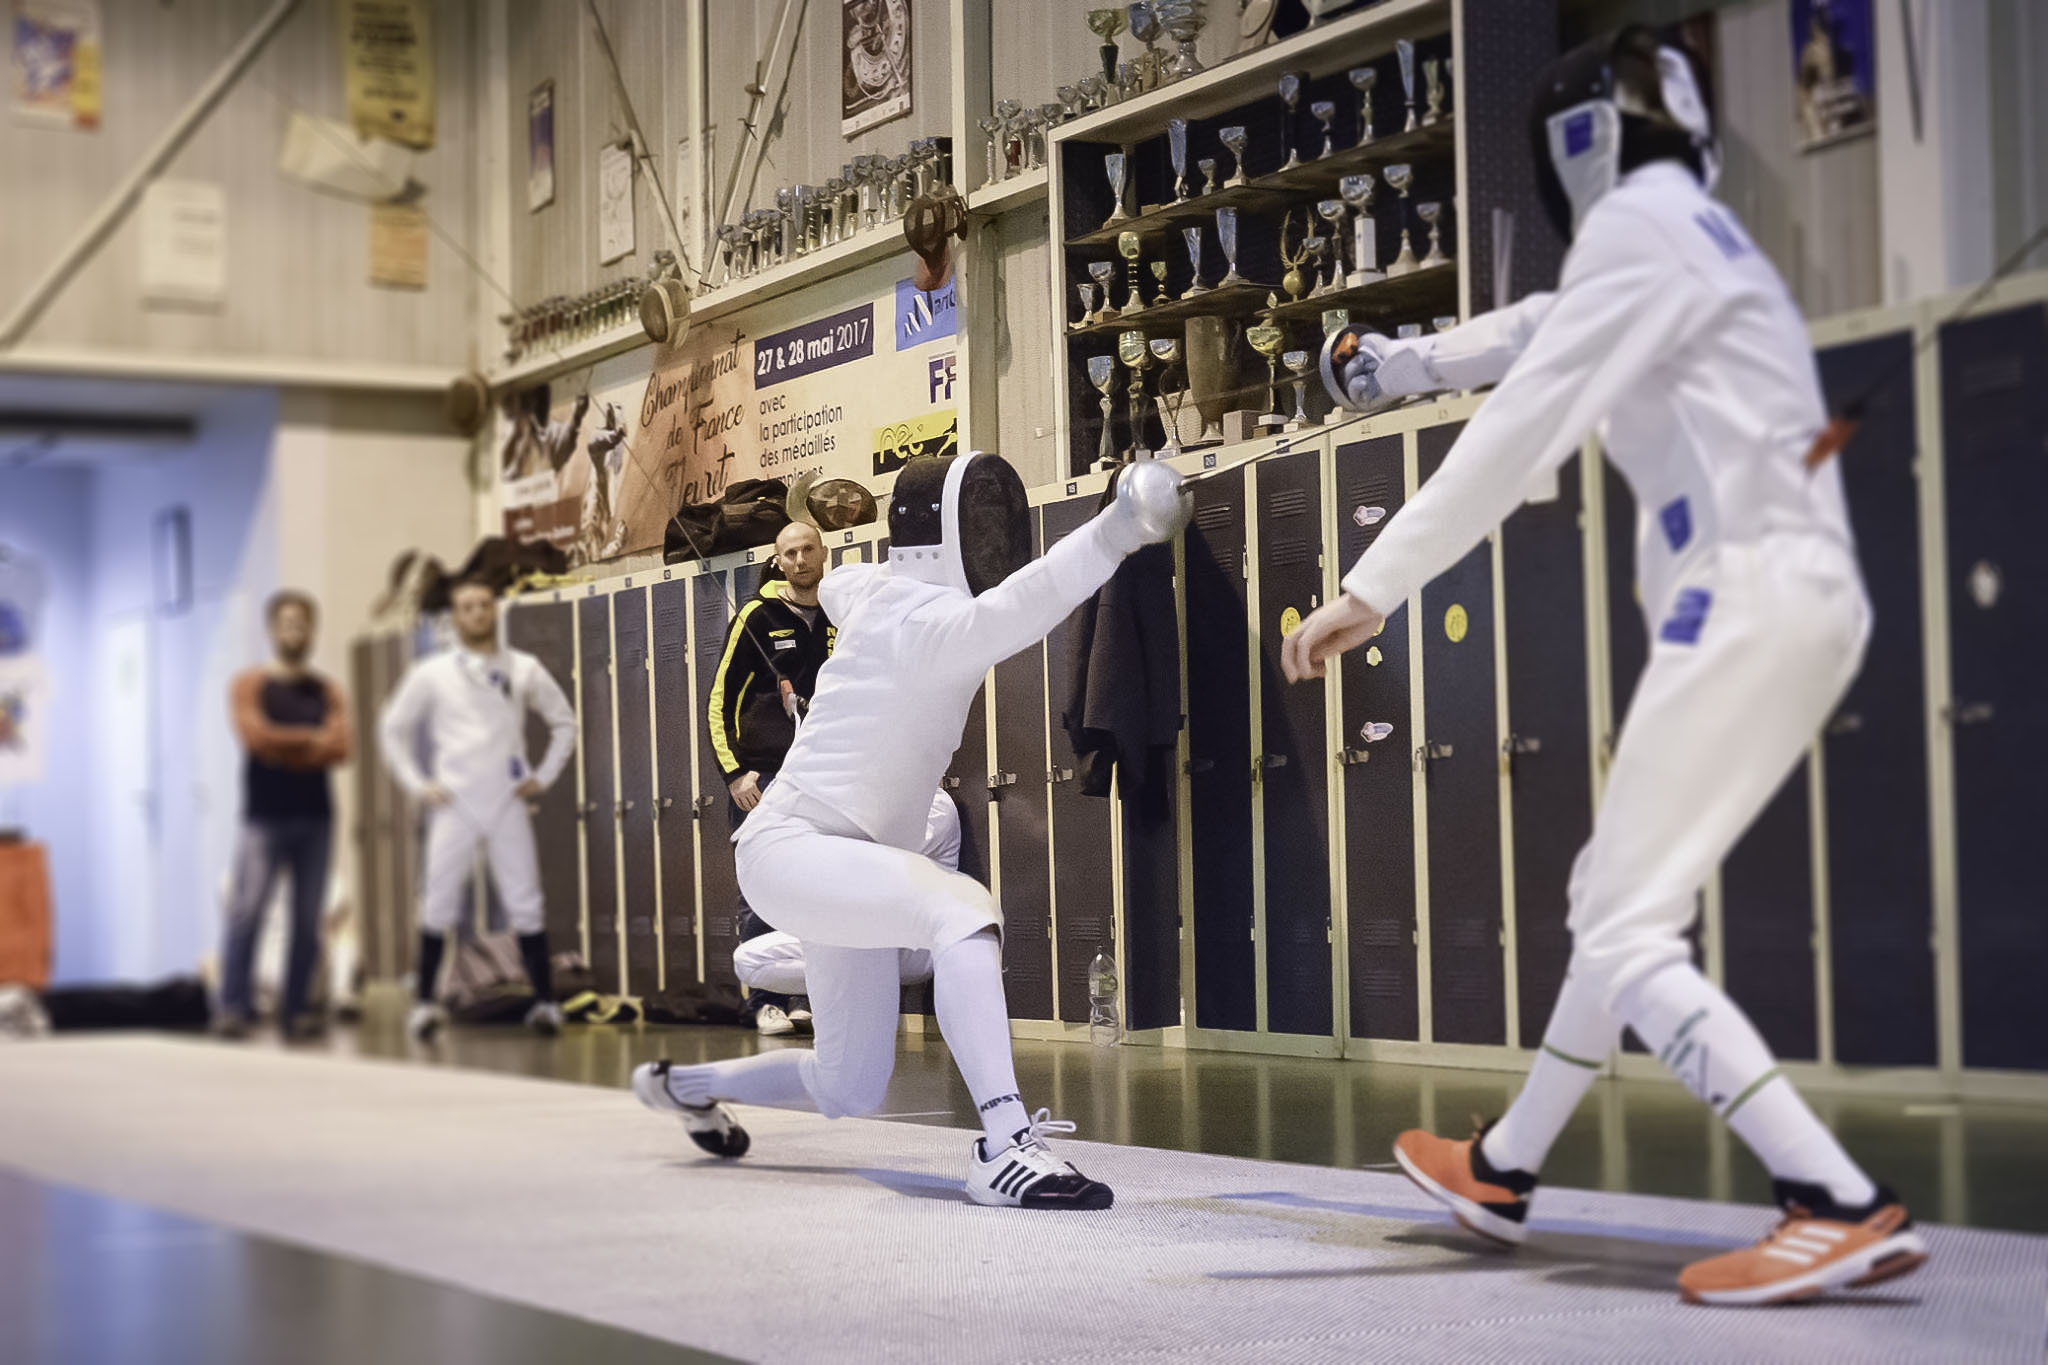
(1166, 354)
(1332, 211)
(1363, 79)
(1432, 214)
(1207, 166)
(1212, 379)
(1087, 293)
(1130, 246)
(1433, 83)
(1444, 323)
(1193, 237)
(1233, 139)
(1357, 191)
(1399, 177)
(1183, 25)
(1316, 247)
(1136, 356)
(1297, 363)
(1404, 51)
(1177, 149)
(1073, 97)
(1117, 169)
(1102, 374)
(1159, 294)
(1290, 95)
(1226, 237)
(1104, 274)
(1146, 28)
(1326, 114)
(1318, 8)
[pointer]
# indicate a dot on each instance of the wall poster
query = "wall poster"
(599, 460)
(1834, 65)
(24, 688)
(540, 147)
(56, 57)
(874, 63)
(388, 68)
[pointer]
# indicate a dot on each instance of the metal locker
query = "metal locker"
(1459, 755)
(600, 821)
(547, 630)
(1628, 638)
(1017, 782)
(1084, 896)
(1219, 758)
(676, 721)
(1994, 419)
(721, 889)
(636, 809)
(1880, 868)
(1548, 745)
(1290, 768)
(373, 903)
(967, 781)
(1767, 922)
(1377, 781)
(402, 866)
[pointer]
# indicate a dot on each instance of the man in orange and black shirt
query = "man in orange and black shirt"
(780, 635)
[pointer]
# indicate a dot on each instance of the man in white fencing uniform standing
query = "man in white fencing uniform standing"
(469, 704)
(1671, 332)
(831, 853)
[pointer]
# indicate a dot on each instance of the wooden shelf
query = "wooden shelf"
(1418, 294)
(1236, 301)
(875, 244)
(1024, 188)
(1278, 189)
(1320, 51)
(535, 366)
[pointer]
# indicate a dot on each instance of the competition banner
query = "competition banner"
(388, 69)
(598, 463)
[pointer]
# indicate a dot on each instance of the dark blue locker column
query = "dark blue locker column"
(1880, 869)
(636, 809)
(721, 895)
(1220, 758)
(1024, 835)
(1460, 748)
(1548, 745)
(676, 720)
(1292, 765)
(1378, 782)
(967, 782)
(600, 821)
(547, 630)
(402, 861)
(1767, 922)
(1994, 430)
(1084, 887)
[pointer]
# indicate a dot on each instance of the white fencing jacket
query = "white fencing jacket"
(471, 709)
(1672, 334)
(893, 698)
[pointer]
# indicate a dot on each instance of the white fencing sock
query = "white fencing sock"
(967, 992)
(1575, 1047)
(774, 1079)
(1711, 1046)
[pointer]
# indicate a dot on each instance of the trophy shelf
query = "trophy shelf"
(1320, 51)
(1419, 293)
(535, 366)
(875, 244)
(1239, 300)
(1025, 187)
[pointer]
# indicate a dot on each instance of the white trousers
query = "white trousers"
(1748, 663)
(455, 835)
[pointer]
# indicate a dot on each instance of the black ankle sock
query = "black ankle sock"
(533, 951)
(429, 972)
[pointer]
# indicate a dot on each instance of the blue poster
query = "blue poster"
(924, 315)
(1834, 67)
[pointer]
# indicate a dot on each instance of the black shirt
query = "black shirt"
(272, 794)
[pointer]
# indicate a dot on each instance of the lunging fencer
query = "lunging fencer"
(831, 855)
(468, 703)
(1672, 334)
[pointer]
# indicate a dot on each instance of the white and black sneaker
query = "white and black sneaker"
(1026, 1175)
(771, 1022)
(803, 1023)
(544, 1018)
(710, 1126)
(425, 1021)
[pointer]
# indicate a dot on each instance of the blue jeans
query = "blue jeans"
(262, 851)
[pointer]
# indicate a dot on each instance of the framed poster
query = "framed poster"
(56, 58)
(874, 63)
(540, 147)
(614, 203)
(1834, 67)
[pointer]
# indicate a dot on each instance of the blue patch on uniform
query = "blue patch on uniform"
(1578, 133)
(1677, 519)
(1723, 232)
(1687, 617)
(518, 770)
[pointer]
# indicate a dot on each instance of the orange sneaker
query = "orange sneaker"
(1819, 1245)
(1492, 1203)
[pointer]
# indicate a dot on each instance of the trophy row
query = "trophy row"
(869, 192)
(565, 319)
(1314, 262)
(1202, 363)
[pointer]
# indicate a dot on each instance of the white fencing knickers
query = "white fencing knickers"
(854, 905)
(454, 835)
(1753, 653)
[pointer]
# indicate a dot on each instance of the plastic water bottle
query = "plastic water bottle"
(1105, 1029)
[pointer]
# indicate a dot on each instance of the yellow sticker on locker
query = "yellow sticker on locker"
(1456, 623)
(1290, 621)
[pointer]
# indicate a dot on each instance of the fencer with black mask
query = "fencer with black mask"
(1672, 336)
(831, 855)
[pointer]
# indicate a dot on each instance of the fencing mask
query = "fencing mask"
(1617, 103)
(959, 521)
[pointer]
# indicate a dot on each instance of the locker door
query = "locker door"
(547, 630)
(1767, 922)
(600, 819)
(1024, 836)
(1291, 769)
(1220, 758)
(1378, 787)
(1994, 406)
(721, 897)
(676, 720)
(1151, 832)
(1880, 896)
(401, 867)
(1548, 744)
(1460, 749)
(374, 902)
(1628, 641)
(967, 780)
(1084, 898)
(636, 790)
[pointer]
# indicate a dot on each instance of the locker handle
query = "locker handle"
(1516, 744)
(1351, 758)
(949, 783)
(1430, 753)
(1848, 723)
(998, 781)
(587, 809)
(620, 809)
(1200, 765)
(1970, 712)
(1261, 763)
(702, 804)
(1059, 775)
(666, 802)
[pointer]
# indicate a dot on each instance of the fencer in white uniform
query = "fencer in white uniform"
(774, 961)
(1673, 337)
(466, 706)
(831, 855)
